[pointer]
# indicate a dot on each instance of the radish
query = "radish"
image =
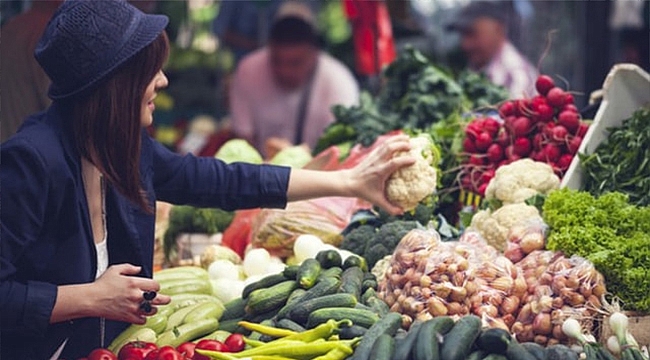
(494, 153)
(476, 160)
(556, 97)
(473, 129)
(570, 120)
(537, 156)
(503, 139)
(466, 182)
(564, 162)
(511, 155)
(582, 129)
(570, 107)
(574, 144)
(483, 141)
(544, 113)
(568, 99)
(522, 146)
(547, 130)
(543, 84)
(521, 126)
(550, 153)
(506, 109)
(468, 145)
(491, 126)
(538, 141)
(482, 188)
(487, 175)
(559, 134)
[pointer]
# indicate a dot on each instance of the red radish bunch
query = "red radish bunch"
(544, 128)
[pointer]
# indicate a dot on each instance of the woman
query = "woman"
(79, 183)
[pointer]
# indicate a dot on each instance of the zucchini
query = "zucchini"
(388, 325)
(324, 287)
(403, 347)
(180, 273)
(334, 272)
(290, 325)
(351, 332)
(378, 306)
(427, 345)
(329, 259)
(218, 335)
(560, 352)
(363, 318)
(132, 334)
(534, 349)
(300, 314)
(458, 342)
(263, 283)
(355, 260)
(193, 286)
(291, 272)
(187, 332)
(517, 352)
(177, 318)
(494, 341)
(234, 309)
(295, 296)
(495, 357)
(204, 311)
(264, 300)
(156, 322)
(308, 273)
(351, 281)
(383, 348)
(477, 355)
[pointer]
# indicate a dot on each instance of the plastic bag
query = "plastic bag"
(277, 230)
(524, 239)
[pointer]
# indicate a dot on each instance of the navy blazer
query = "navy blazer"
(46, 238)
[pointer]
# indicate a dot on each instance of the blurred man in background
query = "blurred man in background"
(23, 84)
(282, 94)
(484, 40)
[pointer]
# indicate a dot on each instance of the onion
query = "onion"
(619, 322)
(223, 269)
(613, 345)
(257, 262)
(571, 328)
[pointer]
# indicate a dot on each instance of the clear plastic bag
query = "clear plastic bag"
(524, 239)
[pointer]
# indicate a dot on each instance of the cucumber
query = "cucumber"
(517, 352)
(234, 309)
(458, 342)
(427, 346)
(378, 306)
(300, 314)
(178, 318)
(204, 311)
(263, 283)
(388, 325)
(308, 273)
(383, 348)
(351, 332)
(295, 296)
(324, 287)
(134, 334)
(193, 286)
(290, 325)
(264, 300)
(180, 273)
(291, 272)
(351, 281)
(258, 318)
(231, 326)
(494, 341)
(363, 318)
(218, 335)
(495, 357)
(403, 347)
(369, 284)
(370, 293)
(535, 349)
(560, 352)
(355, 260)
(477, 355)
(187, 332)
(329, 259)
(360, 306)
(334, 272)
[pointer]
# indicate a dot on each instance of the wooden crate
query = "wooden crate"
(639, 327)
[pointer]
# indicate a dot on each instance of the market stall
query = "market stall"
(547, 258)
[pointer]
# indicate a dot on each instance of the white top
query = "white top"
(260, 109)
(102, 257)
(510, 69)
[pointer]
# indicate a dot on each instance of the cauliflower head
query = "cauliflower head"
(408, 186)
(494, 226)
(521, 180)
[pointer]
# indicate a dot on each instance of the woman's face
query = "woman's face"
(159, 81)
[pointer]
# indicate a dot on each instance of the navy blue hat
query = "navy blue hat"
(87, 39)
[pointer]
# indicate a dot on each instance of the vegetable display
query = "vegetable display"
(622, 162)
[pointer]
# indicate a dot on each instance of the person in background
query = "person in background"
(484, 40)
(283, 93)
(23, 84)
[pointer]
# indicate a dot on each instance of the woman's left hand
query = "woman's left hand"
(368, 179)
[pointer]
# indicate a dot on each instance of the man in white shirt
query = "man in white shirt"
(283, 93)
(484, 40)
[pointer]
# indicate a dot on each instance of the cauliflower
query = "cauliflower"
(410, 185)
(521, 180)
(494, 226)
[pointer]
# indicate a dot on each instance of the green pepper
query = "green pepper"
(266, 330)
(322, 331)
(338, 353)
(295, 349)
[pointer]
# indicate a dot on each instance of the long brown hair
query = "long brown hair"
(106, 121)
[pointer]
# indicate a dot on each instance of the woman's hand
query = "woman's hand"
(118, 294)
(368, 179)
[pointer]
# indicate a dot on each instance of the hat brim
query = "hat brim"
(149, 28)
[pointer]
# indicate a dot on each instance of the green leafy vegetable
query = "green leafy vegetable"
(608, 231)
(480, 90)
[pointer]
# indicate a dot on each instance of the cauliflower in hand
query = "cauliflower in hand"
(521, 180)
(409, 185)
(494, 226)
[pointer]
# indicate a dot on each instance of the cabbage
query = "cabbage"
(293, 156)
(213, 253)
(238, 150)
